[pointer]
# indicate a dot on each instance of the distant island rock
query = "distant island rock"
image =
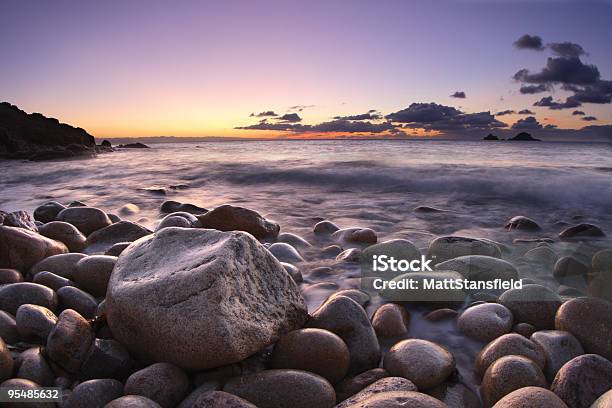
(136, 145)
(490, 136)
(524, 137)
(36, 137)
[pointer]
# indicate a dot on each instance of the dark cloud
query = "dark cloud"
(432, 116)
(563, 70)
(458, 94)
(506, 112)
(529, 42)
(528, 123)
(548, 102)
(264, 114)
(525, 112)
(334, 126)
(567, 49)
(534, 89)
(599, 92)
(264, 125)
(550, 126)
(370, 115)
(589, 118)
(300, 108)
(290, 117)
(578, 113)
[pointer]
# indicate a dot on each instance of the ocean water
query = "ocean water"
(375, 184)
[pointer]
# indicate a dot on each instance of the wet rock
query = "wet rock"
(122, 231)
(230, 218)
(480, 268)
(8, 328)
(314, 350)
(384, 385)
(590, 321)
(601, 285)
(173, 221)
(524, 329)
(509, 344)
(331, 251)
(350, 255)
(351, 386)
(106, 358)
(71, 297)
(582, 380)
(522, 223)
(63, 265)
(355, 236)
(21, 248)
(10, 276)
(220, 294)
(357, 295)
(533, 304)
(33, 366)
(48, 211)
(605, 401)
(455, 395)
(568, 266)
(163, 383)
(528, 397)
(294, 240)
(86, 219)
(35, 321)
(602, 260)
(559, 347)
(582, 231)
(94, 393)
(293, 271)
(6, 362)
(52, 280)
(285, 252)
(66, 233)
(346, 318)
(485, 322)
(93, 273)
(175, 206)
(221, 399)
(69, 341)
(325, 228)
(391, 320)
(423, 362)
(508, 374)
(16, 294)
(132, 401)
(441, 314)
(283, 389)
(542, 255)
(444, 248)
(20, 219)
(397, 248)
(400, 399)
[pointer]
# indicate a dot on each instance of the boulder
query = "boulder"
(173, 221)
(93, 273)
(524, 329)
(197, 283)
(63, 232)
(509, 344)
(528, 397)
(69, 341)
(94, 393)
(507, 374)
(230, 218)
(444, 248)
(485, 322)
(71, 297)
(582, 380)
(63, 265)
(568, 266)
(48, 211)
(522, 223)
(480, 268)
(391, 320)
(533, 304)
(384, 385)
(122, 231)
(582, 231)
(294, 240)
(441, 314)
(35, 321)
(355, 236)
(351, 386)
(117, 249)
(21, 248)
(559, 347)
(325, 228)
(106, 358)
(285, 252)
(51, 280)
(20, 219)
(86, 219)
(16, 294)
(163, 383)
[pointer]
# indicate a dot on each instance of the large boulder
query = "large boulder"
(230, 218)
(48, 211)
(224, 287)
(21, 248)
(582, 380)
(64, 232)
(16, 294)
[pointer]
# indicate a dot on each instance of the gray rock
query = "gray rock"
(220, 294)
(559, 347)
(33, 366)
(51, 280)
(602, 261)
(163, 383)
(524, 329)
(509, 344)
(48, 211)
(533, 304)
(221, 399)
(63, 265)
(391, 320)
(8, 328)
(94, 393)
(384, 385)
(132, 401)
(20, 219)
(69, 341)
(21, 248)
(444, 248)
(122, 231)
(71, 297)
(507, 374)
(357, 295)
(294, 271)
(351, 386)
(542, 255)
(86, 219)
(355, 235)
(93, 273)
(568, 266)
(16, 294)
(582, 380)
(117, 248)
(285, 252)
(173, 221)
(174, 206)
(294, 240)
(480, 268)
(582, 231)
(350, 255)
(6, 362)
(325, 228)
(105, 359)
(528, 397)
(230, 218)
(522, 223)
(485, 322)
(10, 276)
(35, 321)
(66, 233)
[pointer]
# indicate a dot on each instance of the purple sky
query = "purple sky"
(201, 68)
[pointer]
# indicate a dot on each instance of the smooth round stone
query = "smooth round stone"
(173, 221)
(590, 321)
(355, 235)
(349, 255)
(522, 223)
(455, 395)
(35, 321)
(423, 362)
(16, 294)
(582, 231)
(117, 248)
(400, 399)
(331, 251)
(132, 401)
(602, 260)
(6, 361)
(384, 385)
(63, 265)
(164, 383)
(357, 295)
(24, 248)
(10, 276)
(221, 399)
(294, 240)
(436, 297)
(285, 252)
(120, 231)
(93, 273)
(22, 383)
(480, 268)
(66, 233)
(559, 347)
(391, 320)
(69, 341)
(509, 344)
(346, 318)
(129, 209)
(568, 266)
(114, 218)
(530, 397)
(94, 393)
(441, 314)
(351, 386)
(582, 380)
(71, 297)
(283, 389)
(205, 388)
(524, 329)
(508, 374)
(8, 328)
(533, 304)
(231, 218)
(31, 365)
(294, 271)
(86, 219)
(48, 211)
(322, 272)
(315, 350)
(605, 401)
(485, 322)
(51, 280)
(542, 255)
(325, 228)
(444, 248)
(184, 214)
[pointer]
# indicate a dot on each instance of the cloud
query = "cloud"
(525, 112)
(290, 117)
(548, 102)
(564, 70)
(528, 123)
(264, 114)
(589, 118)
(300, 108)
(529, 42)
(567, 49)
(458, 94)
(578, 113)
(334, 126)
(534, 89)
(599, 92)
(370, 115)
(505, 112)
(264, 125)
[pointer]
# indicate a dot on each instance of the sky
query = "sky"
(313, 69)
